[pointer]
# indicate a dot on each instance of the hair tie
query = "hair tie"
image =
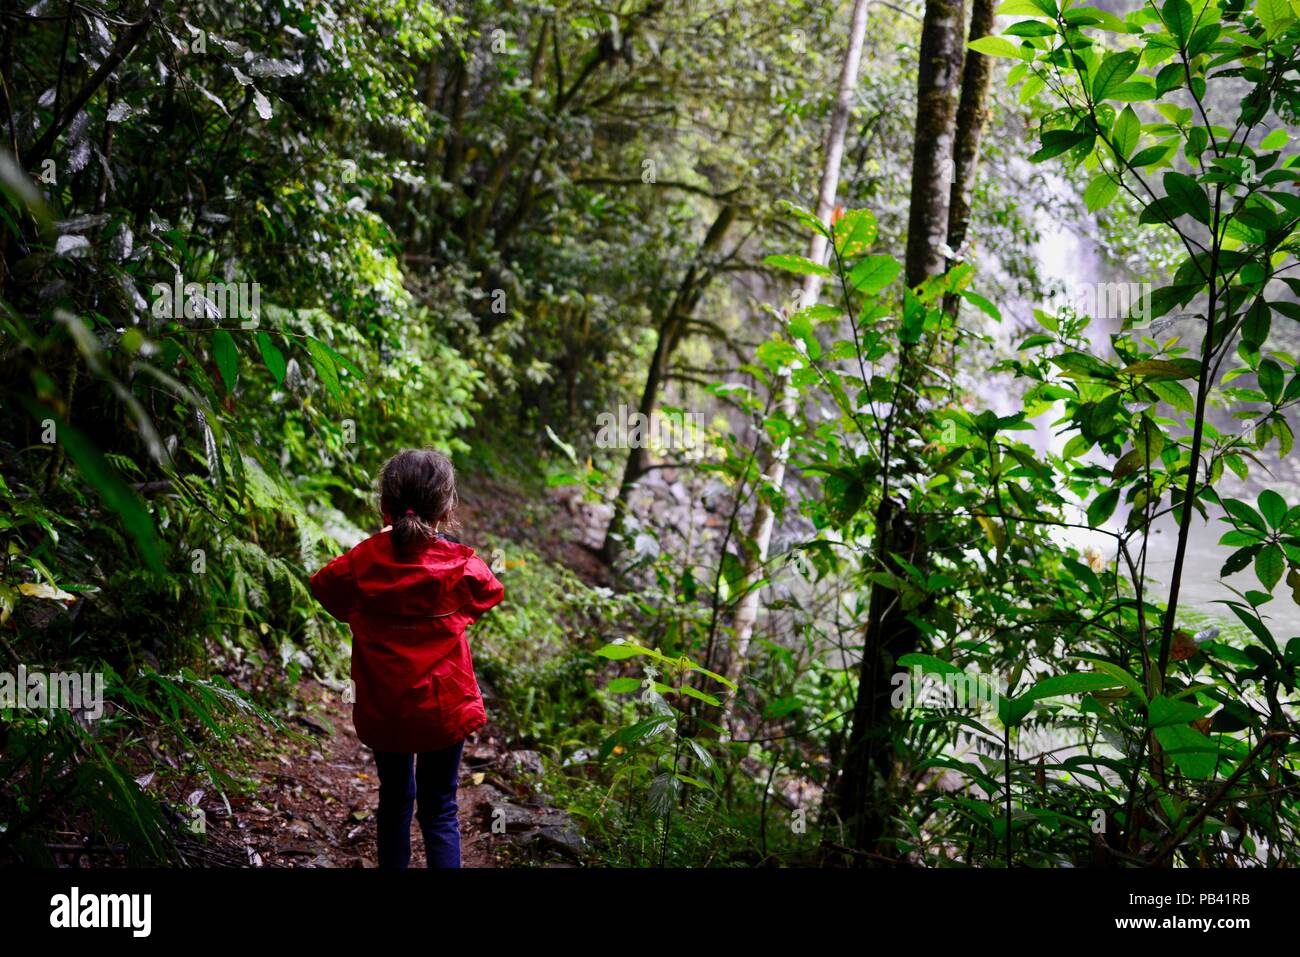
(410, 511)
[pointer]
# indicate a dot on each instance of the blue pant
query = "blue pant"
(431, 783)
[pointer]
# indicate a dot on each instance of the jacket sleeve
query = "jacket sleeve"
(485, 589)
(335, 588)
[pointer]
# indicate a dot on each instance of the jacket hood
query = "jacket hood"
(427, 583)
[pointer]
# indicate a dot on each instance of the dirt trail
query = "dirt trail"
(318, 793)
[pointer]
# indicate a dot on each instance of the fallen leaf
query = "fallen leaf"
(45, 590)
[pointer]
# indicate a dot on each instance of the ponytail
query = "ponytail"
(410, 531)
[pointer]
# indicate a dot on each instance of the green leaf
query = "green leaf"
(699, 695)
(1149, 439)
(324, 365)
(855, 232)
(1244, 514)
(982, 304)
(1115, 68)
(996, 47)
(1135, 90)
(1273, 507)
(928, 664)
(1102, 507)
(694, 782)
(1127, 131)
(1079, 683)
(1192, 752)
(797, 264)
(1187, 196)
(1127, 464)
(105, 480)
(617, 651)
(1275, 15)
(1165, 369)
(1056, 142)
(1275, 140)
(874, 273)
(1174, 393)
(1237, 561)
(1255, 327)
(1011, 711)
(775, 353)
(227, 356)
(801, 328)
(1270, 379)
(1202, 39)
(1082, 365)
(1096, 17)
(343, 361)
(1120, 675)
(1152, 155)
(1100, 191)
(1239, 537)
(1251, 620)
(805, 216)
(1020, 8)
(1170, 77)
(1270, 563)
(1281, 429)
(1030, 28)
(272, 356)
(1178, 18)
(623, 685)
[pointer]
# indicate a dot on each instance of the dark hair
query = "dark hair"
(417, 489)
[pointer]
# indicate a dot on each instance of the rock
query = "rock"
(528, 762)
(563, 838)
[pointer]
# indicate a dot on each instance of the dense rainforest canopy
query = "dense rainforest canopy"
(880, 417)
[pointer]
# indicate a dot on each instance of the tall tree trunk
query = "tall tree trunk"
(445, 200)
(936, 103)
(774, 462)
(889, 634)
(972, 114)
(679, 312)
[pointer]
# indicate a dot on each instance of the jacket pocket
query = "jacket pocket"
(453, 685)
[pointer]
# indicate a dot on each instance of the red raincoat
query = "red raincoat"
(415, 685)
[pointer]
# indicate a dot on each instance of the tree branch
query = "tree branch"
(124, 45)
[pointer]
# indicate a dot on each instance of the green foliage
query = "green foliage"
(1155, 744)
(279, 241)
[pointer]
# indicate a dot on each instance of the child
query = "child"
(408, 593)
